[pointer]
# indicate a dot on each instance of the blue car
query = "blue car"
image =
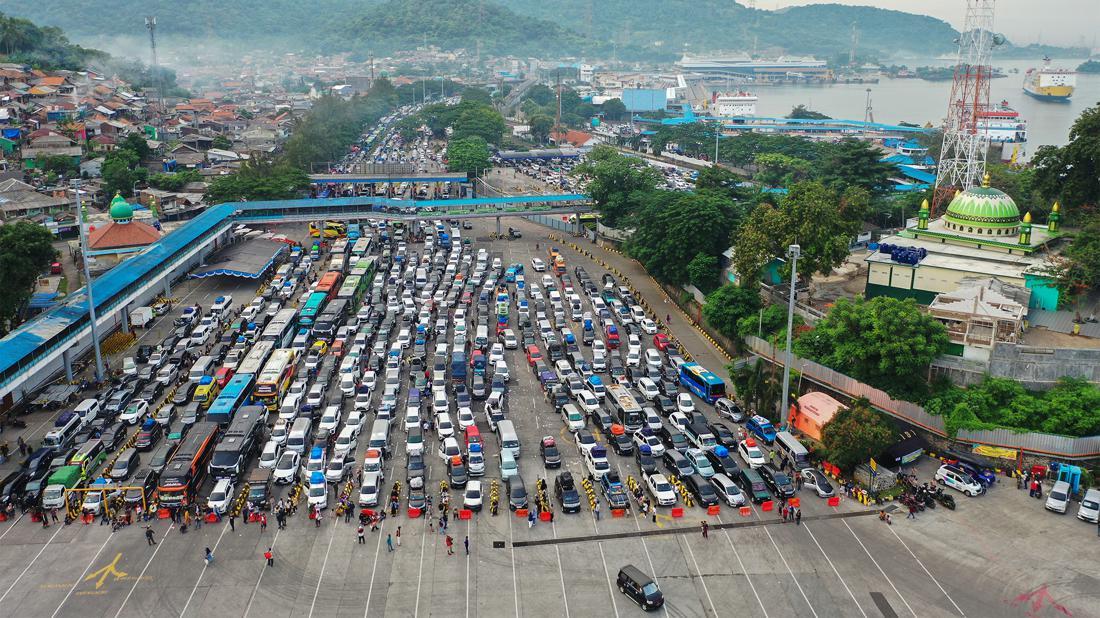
(761, 428)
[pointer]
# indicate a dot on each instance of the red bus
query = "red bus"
(185, 471)
(330, 283)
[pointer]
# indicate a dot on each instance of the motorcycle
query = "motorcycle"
(947, 500)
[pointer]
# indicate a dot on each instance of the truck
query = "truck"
(613, 490)
(142, 317)
(65, 477)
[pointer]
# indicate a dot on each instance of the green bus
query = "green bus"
(353, 289)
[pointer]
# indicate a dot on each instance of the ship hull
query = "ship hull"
(1058, 96)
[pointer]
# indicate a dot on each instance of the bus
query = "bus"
(275, 378)
(254, 361)
(240, 441)
(184, 473)
(365, 267)
(559, 265)
(313, 307)
(353, 289)
(361, 247)
(705, 384)
(331, 229)
(340, 246)
(235, 394)
(353, 232)
(206, 392)
(330, 283)
(627, 409)
(280, 330)
(331, 318)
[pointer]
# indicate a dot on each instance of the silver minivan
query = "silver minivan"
(1090, 507)
(1058, 498)
(380, 436)
(507, 438)
(298, 437)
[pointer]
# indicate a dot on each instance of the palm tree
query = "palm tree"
(760, 387)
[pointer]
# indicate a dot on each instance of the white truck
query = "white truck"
(141, 317)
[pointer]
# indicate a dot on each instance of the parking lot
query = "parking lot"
(998, 554)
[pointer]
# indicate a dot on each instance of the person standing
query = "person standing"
(912, 512)
(596, 510)
(149, 536)
(450, 545)
(399, 536)
(798, 517)
(233, 523)
(317, 519)
(705, 527)
(389, 542)
(466, 542)
(359, 533)
(270, 557)
(263, 522)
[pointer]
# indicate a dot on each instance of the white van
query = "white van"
(507, 438)
(1090, 506)
(791, 450)
(202, 367)
(380, 436)
(88, 410)
(298, 437)
(1058, 498)
(288, 411)
(481, 339)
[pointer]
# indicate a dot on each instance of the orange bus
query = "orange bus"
(185, 471)
(330, 283)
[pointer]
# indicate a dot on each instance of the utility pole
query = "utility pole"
(793, 252)
(81, 212)
(868, 113)
(855, 43)
(557, 121)
(372, 67)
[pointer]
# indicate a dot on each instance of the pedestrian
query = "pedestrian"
(912, 512)
(270, 557)
(466, 542)
(450, 545)
(798, 517)
(705, 527)
(347, 513)
(668, 318)
(149, 536)
(208, 557)
(530, 519)
(317, 519)
(359, 533)
(53, 515)
(399, 536)
(596, 510)
(431, 524)
(389, 542)
(233, 523)
(263, 522)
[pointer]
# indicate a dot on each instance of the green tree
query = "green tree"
(614, 109)
(26, 249)
(780, 170)
(135, 142)
(759, 384)
(222, 142)
(885, 342)
(541, 95)
(802, 112)
(120, 172)
(469, 154)
(818, 219)
(481, 121)
(618, 183)
(541, 125)
(769, 324)
(855, 435)
(668, 234)
(703, 271)
(473, 94)
(60, 164)
(259, 179)
(174, 181)
(1071, 173)
(728, 305)
(856, 163)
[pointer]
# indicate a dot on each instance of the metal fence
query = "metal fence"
(1031, 442)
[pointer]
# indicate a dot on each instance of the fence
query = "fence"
(1048, 445)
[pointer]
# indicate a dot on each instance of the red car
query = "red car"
(612, 337)
(534, 355)
(222, 375)
(467, 298)
(661, 341)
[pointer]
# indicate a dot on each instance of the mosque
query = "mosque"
(123, 236)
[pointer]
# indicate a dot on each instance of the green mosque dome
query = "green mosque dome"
(983, 211)
(121, 211)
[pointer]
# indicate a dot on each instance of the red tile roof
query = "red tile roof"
(122, 235)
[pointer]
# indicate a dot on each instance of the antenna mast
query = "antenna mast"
(151, 26)
(965, 142)
(868, 113)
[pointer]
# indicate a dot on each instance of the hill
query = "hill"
(22, 41)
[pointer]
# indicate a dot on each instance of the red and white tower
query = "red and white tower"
(965, 142)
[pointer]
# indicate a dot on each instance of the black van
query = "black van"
(259, 487)
(702, 490)
(146, 479)
(640, 588)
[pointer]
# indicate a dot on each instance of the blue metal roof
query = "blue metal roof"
(917, 174)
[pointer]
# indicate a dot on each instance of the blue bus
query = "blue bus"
(235, 394)
(705, 384)
(353, 231)
(315, 304)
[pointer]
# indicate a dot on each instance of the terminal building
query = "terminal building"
(981, 235)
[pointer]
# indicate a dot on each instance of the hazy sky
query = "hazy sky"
(1058, 22)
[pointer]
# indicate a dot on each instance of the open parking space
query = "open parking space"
(838, 561)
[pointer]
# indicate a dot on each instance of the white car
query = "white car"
(134, 412)
(585, 441)
(286, 470)
(448, 447)
(220, 497)
(634, 343)
(652, 420)
(370, 378)
(279, 432)
(572, 417)
(496, 353)
(751, 453)
(653, 359)
(727, 490)
(501, 371)
(412, 417)
(660, 489)
(372, 462)
(369, 489)
(330, 419)
(649, 327)
(270, 455)
(649, 389)
(346, 442)
(444, 428)
(356, 419)
(684, 403)
(633, 358)
(587, 401)
(465, 418)
(318, 491)
(656, 447)
(538, 265)
(316, 397)
(338, 467)
(440, 405)
(595, 460)
(510, 341)
(471, 498)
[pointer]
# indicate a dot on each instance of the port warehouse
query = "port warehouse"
(38, 351)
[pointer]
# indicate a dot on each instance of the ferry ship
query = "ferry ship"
(730, 104)
(1048, 84)
(1005, 129)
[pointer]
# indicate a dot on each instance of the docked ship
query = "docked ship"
(1006, 130)
(733, 104)
(1049, 84)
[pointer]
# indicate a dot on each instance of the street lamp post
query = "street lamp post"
(793, 252)
(717, 132)
(88, 284)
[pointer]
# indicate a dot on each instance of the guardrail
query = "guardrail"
(1043, 444)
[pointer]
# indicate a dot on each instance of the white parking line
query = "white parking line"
(561, 572)
(702, 580)
(420, 572)
(645, 546)
(884, 575)
(324, 564)
(607, 574)
(831, 565)
(17, 520)
(145, 568)
(374, 568)
(203, 572)
(469, 524)
(957, 608)
(784, 559)
(79, 579)
(33, 560)
(744, 570)
(512, 546)
(256, 588)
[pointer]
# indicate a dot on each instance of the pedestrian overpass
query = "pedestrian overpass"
(35, 353)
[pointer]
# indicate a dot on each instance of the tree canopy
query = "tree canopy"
(801, 112)
(1071, 407)
(618, 183)
(1071, 173)
(259, 179)
(468, 154)
(885, 342)
(855, 435)
(674, 227)
(26, 250)
(728, 305)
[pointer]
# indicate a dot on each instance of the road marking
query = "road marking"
(831, 565)
(469, 524)
(205, 566)
(702, 580)
(607, 574)
(645, 546)
(324, 564)
(884, 575)
(17, 520)
(374, 568)
(781, 557)
(256, 588)
(561, 572)
(423, 543)
(33, 560)
(79, 579)
(744, 570)
(512, 547)
(142, 574)
(957, 608)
